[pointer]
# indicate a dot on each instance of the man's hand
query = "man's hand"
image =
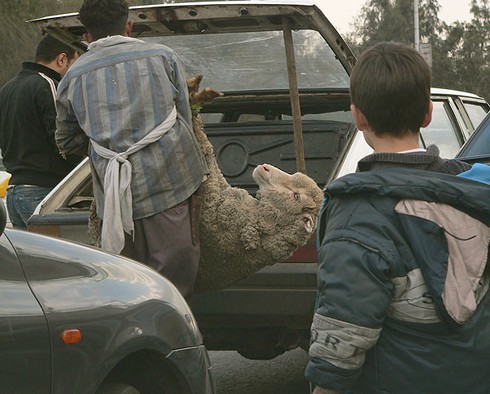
(197, 97)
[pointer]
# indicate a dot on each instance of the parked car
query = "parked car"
(454, 118)
(249, 51)
(76, 320)
(477, 148)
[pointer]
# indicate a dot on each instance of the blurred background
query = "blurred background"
(460, 49)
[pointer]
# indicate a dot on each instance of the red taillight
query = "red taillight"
(305, 254)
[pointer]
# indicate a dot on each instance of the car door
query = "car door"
(446, 130)
(477, 148)
(25, 356)
(454, 118)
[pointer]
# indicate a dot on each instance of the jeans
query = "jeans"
(22, 200)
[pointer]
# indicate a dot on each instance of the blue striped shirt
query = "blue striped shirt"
(115, 94)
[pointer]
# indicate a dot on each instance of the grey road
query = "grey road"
(235, 374)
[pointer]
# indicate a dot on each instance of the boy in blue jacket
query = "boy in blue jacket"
(403, 280)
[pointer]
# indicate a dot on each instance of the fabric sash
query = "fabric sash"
(118, 200)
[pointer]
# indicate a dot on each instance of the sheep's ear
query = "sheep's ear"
(309, 223)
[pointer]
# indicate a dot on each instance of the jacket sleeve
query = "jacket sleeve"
(354, 293)
(45, 101)
(182, 92)
(70, 138)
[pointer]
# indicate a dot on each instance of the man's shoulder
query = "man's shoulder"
(120, 44)
(25, 80)
(126, 51)
(156, 49)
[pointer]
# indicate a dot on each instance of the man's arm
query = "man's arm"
(178, 78)
(70, 138)
(45, 101)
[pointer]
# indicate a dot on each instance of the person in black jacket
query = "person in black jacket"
(403, 251)
(27, 126)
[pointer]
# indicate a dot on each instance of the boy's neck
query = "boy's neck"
(386, 143)
(395, 146)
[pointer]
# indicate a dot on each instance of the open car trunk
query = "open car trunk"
(284, 71)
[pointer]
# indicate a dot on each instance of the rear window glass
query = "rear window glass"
(257, 61)
(442, 132)
(476, 112)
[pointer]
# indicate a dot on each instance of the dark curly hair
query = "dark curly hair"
(104, 18)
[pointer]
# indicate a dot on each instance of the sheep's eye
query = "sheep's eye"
(296, 196)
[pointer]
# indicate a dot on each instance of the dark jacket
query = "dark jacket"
(27, 125)
(403, 280)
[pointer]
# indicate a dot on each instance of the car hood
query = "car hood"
(76, 282)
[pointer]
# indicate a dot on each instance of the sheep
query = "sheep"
(239, 233)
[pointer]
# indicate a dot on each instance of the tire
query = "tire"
(117, 388)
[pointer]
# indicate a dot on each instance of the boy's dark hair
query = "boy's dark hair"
(104, 18)
(390, 84)
(49, 47)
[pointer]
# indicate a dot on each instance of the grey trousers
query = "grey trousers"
(164, 242)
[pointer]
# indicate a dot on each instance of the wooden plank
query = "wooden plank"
(294, 94)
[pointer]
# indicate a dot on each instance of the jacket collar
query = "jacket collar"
(110, 41)
(39, 68)
(395, 160)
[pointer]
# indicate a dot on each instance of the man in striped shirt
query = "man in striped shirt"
(129, 99)
(27, 126)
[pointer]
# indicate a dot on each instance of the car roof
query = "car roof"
(451, 92)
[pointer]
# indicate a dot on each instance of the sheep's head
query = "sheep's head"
(304, 197)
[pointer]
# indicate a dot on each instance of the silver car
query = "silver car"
(76, 320)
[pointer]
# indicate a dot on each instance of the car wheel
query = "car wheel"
(117, 388)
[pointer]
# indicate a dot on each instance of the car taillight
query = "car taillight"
(305, 254)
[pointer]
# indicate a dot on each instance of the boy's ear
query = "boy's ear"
(359, 118)
(428, 115)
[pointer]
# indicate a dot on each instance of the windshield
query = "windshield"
(257, 61)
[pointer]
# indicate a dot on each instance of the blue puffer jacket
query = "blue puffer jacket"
(403, 284)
